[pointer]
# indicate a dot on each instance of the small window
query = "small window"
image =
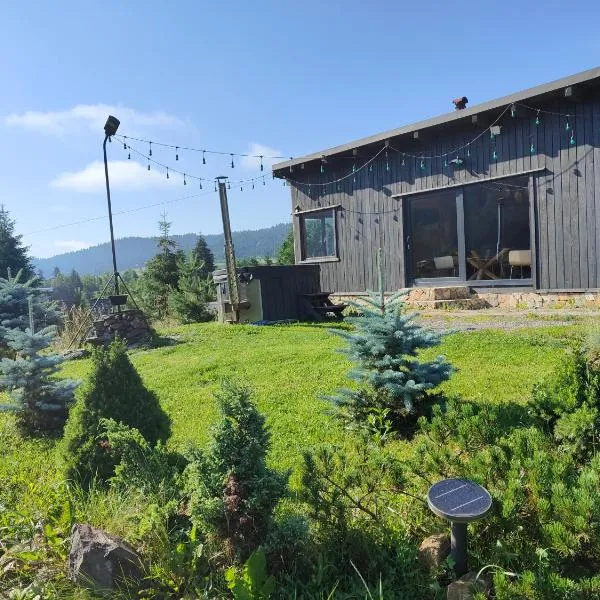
(317, 232)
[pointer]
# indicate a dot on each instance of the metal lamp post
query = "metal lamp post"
(110, 128)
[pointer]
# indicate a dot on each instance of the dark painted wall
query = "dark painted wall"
(566, 195)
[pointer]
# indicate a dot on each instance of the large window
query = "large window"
(434, 243)
(317, 232)
(497, 238)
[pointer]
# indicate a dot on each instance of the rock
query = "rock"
(466, 587)
(99, 561)
(434, 550)
(73, 354)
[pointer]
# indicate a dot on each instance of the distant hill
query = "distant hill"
(134, 252)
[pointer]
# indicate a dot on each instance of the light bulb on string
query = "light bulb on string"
(167, 172)
(370, 167)
(513, 111)
(176, 153)
(469, 150)
(184, 181)
(572, 140)
(124, 146)
(148, 164)
(264, 182)
(387, 164)
(215, 186)
(232, 165)
(284, 184)
(253, 185)
(532, 148)
(129, 156)
(568, 125)
(262, 168)
(422, 165)
(203, 157)
(495, 155)
(241, 189)
(537, 118)
(201, 184)
(445, 163)
(228, 185)
(322, 168)
(150, 152)
(403, 162)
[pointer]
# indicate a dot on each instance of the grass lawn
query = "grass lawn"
(290, 367)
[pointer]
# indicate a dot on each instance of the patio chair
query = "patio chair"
(519, 258)
(444, 263)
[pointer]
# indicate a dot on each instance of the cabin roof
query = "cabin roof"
(540, 92)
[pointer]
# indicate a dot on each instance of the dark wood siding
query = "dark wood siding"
(565, 195)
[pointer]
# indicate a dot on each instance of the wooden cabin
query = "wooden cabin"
(505, 193)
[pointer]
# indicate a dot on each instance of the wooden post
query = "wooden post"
(234, 294)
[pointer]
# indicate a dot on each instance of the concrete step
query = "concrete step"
(454, 304)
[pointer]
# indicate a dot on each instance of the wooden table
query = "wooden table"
(483, 265)
(319, 306)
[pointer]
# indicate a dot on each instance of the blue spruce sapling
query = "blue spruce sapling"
(385, 345)
(41, 403)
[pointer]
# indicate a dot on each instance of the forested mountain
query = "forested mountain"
(133, 252)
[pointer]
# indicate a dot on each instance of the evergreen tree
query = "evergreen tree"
(385, 345)
(188, 302)
(232, 491)
(114, 390)
(203, 256)
(161, 274)
(41, 403)
(15, 298)
(285, 253)
(13, 255)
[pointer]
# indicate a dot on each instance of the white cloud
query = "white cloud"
(88, 116)
(124, 174)
(71, 245)
(255, 149)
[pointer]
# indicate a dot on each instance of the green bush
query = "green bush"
(114, 390)
(232, 492)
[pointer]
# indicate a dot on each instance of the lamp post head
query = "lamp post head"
(111, 126)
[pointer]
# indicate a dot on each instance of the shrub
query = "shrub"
(114, 390)
(385, 345)
(41, 403)
(232, 492)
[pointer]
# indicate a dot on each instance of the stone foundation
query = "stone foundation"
(129, 325)
(465, 298)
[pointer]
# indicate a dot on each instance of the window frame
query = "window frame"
(324, 211)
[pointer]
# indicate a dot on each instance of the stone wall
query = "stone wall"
(130, 325)
(463, 297)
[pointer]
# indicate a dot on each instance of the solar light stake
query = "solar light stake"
(459, 501)
(458, 546)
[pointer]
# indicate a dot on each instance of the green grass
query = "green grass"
(291, 367)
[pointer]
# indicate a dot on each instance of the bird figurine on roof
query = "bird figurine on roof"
(460, 103)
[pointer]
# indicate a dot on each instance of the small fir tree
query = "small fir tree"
(114, 390)
(13, 255)
(16, 294)
(285, 253)
(232, 491)
(385, 345)
(41, 403)
(204, 257)
(188, 302)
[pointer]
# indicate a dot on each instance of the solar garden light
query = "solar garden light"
(459, 501)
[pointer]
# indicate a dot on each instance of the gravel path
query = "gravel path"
(472, 320)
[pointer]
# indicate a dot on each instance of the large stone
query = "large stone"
(467, 586)
(100, 561)
(434, 550)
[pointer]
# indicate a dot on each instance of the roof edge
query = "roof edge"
(539, 90)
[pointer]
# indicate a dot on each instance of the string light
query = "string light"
(215, 186)
(513, 111)
(228, 185)
(201, 184)
(203, 157)
(387, 164)
(469, 151)
(148, 164)
(567, 126)
(150, 153)
(445, 163)
(264, 183)
(403, 163)
(537, 118)
(262, 168)
(167, 172)
(129, 156)
(124, 146)
(495, 155)
(422, 165)
(176, 153)
(531, 148)
(184, 181)
(232, 165)
(572, 140)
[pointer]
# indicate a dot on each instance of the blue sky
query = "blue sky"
(281, 77)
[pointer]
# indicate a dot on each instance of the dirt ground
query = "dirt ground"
(472, 320)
